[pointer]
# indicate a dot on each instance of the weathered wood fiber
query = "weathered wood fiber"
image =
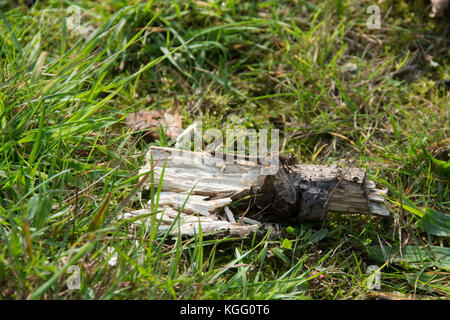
(214, 183)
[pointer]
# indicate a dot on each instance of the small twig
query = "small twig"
(230, 215)
(245, 212)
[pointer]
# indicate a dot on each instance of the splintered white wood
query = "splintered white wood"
(212, 183)
(200, 172)
(193, 203)
(190, 224)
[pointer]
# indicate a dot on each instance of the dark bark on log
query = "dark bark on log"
(320, 189)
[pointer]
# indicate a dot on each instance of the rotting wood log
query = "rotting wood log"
(213, 182)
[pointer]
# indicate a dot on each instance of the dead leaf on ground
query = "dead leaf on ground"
(438, 7)
(151, 120)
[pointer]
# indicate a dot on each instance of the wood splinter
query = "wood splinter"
(312, 191)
